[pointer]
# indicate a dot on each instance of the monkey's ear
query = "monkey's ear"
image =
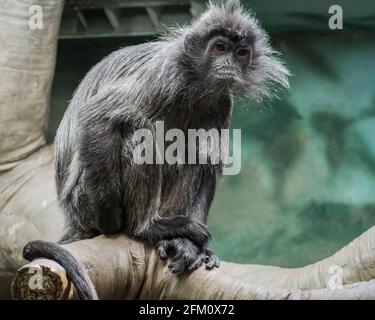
(193, 44)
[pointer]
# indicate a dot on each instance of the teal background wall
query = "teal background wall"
(307, 182)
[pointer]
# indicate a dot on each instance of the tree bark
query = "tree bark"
(28, 207)
(121, 268)
(27, 61)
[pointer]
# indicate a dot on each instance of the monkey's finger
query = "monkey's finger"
(179, 261)
(162, 248)
(177, 266)
(197, 263)
(185, 256)
(212, 260)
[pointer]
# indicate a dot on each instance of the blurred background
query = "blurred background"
(307, 182)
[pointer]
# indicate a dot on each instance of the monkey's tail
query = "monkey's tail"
(177, 227)
(74, 270)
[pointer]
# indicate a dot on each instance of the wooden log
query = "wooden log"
(43, 279)
(121, 268)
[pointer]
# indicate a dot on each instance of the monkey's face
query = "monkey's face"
(228, 60)
(227, 47)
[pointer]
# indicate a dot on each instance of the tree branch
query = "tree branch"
(121, 268)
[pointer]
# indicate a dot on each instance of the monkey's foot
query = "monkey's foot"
(187, 256)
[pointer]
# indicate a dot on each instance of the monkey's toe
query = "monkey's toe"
(197, 263)
(186, 253)
(211, 260)
(162, 249)
(185, 262)
(187, 256)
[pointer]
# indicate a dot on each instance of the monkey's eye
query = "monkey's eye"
(242, 52)
(220, 47)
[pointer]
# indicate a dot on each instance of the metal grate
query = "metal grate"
(108, 18)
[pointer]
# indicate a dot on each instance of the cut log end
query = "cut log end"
(41, 279)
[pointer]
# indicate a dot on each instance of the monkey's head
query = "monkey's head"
(227, 55)
(227, 46)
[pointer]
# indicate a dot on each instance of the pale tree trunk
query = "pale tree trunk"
(28, 207)
(121, 268)
(27, 60)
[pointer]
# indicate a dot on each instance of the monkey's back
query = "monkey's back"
(145, 81)
(116, 66)
(69, 173)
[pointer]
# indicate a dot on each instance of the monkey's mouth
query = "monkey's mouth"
(226, 73)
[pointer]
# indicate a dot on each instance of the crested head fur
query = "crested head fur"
(266, 72)
(166, 70)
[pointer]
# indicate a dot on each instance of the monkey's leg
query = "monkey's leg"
(189, 256)
(72, 235)
(100, 153)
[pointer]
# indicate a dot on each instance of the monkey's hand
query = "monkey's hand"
(211, 260)
(187, 256)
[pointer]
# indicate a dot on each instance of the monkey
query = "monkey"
(187, 78)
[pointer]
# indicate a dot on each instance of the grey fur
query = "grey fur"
(99, 187)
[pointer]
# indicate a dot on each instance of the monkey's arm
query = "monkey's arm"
(204, 197)
(126, 269)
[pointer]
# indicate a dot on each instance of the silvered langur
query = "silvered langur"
(187, 79)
